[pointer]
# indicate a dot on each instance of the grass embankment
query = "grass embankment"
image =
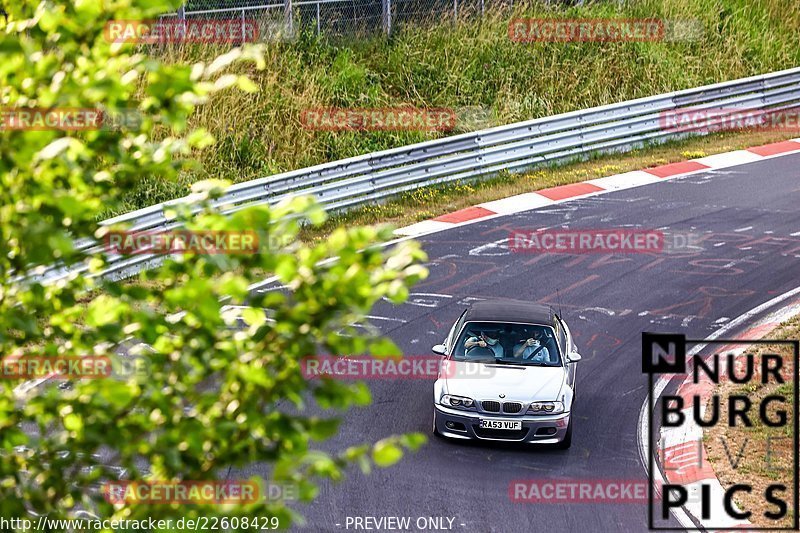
(759, 455)
(470, 66)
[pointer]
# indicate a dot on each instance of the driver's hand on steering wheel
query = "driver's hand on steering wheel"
(530, 342)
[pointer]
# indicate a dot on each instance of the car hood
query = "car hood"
(522, 383)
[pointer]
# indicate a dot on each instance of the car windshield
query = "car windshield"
(521, 344)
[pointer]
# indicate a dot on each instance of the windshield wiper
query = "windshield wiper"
(520, 363)
(507, 362)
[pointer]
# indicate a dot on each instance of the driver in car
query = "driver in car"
(483, 341)
(532, 349)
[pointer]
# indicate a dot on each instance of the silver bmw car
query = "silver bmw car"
(508, 375)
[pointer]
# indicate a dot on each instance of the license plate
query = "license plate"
(509, 425)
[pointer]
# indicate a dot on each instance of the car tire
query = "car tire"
(435, 431)
(567, 441)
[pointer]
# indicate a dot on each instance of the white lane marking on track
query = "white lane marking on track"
(501, 245)
(632, 391)
(625, 181)
(142, 347)
(517, 204)
(467, 300)
(743, 229)
(424, 299)
(738, 261)
(426, 226)
(728, 159)
(278, 287)
(387, 318)
(608, 312)
(795, 234)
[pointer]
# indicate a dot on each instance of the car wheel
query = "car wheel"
(567, 442)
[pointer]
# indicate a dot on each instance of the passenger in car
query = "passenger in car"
(533, 349)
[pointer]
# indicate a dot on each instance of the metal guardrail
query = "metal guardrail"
(516, 147)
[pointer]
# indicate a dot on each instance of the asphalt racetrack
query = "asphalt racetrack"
(746, 216)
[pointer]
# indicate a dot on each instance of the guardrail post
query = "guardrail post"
(386, 6)
(287, 17)
(182, 18)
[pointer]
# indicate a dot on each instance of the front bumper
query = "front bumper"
(456, 424)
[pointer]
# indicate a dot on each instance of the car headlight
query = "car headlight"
(546, 408)
(459, 402)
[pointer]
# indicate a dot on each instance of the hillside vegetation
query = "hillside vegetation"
(475, 69)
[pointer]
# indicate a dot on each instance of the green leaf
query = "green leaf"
(386, 453)
(254, 316)
(73, 422)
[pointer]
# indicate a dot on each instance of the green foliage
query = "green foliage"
(211, 397)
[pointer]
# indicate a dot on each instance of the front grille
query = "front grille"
(491, 406)
(512, 407)
(501, 434)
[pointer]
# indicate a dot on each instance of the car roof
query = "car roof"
(507, 310)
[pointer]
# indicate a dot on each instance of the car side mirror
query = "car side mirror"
(574, 357)
(440, 349)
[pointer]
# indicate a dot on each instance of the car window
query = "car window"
(507, 343)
